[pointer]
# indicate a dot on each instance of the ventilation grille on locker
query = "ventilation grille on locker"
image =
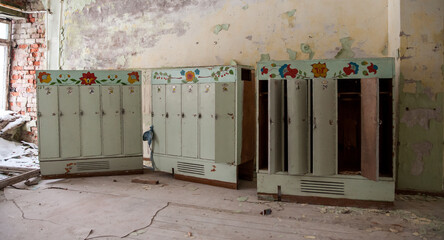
(324, 187)
(96, 165)
(191, 168)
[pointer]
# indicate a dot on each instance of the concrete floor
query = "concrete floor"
(113, 208)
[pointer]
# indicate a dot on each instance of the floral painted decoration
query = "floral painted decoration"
(133, 77)
(319, 70)
(190, 76)
(88, 78)
(352, 68)
(372, 68)
(44, 77)
(285, 71)
(264, 70)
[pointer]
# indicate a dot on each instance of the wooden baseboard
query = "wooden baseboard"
(93, 174)
(342, 202)
(206, 181)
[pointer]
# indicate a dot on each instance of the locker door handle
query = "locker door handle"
(166, 115)
(103, 113)
(215, 116)
(39, 114)
(289, 120)
(314, 123)
(152, 114)
(81, 113)
(123, 111)
(199, 115)
(183, 115)
(60, 114)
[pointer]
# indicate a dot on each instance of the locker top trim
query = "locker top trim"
(88, 77)
(327, 68)
(186, 75)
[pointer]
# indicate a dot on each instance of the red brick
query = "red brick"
(15, 76)
(17, 68)
(39, 30)
(34, 45)
(19, 104)
(43, 45)
(31, 72)
(11, 104)
(22, 112)
(23, 46)
(34, 50)
(34, 54)
(30, 80)
(28, 109)
(36, 63)
(31, 20)
(15, 94)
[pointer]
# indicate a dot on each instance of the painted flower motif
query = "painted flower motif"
(133, 77)
(197, 71)
(352, 68)
(372, 68)
(182, 72)
(285, 71)
(88, 78)
(44, 77)
(189, 76)
(264, 70)
(319, 70)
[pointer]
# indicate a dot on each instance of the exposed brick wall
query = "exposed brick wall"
(28, 55)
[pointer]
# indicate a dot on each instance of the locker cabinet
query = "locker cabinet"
(89, 123)
(322, 120)
(197, 119)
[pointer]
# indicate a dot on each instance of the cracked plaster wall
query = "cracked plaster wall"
(421, 88)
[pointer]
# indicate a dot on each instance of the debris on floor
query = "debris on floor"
(20, 174)
(145, 181)
(266, 211)
(15, 154)
(10, 125)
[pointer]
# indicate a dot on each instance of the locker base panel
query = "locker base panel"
(320, 188)
(91, 167)
(206, 181)
(198, 170)
(341, 202)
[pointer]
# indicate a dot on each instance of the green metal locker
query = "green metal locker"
(69, 121)
(202, 124)
(89, 123)
(189, 120)
(111, 120)
(158, 116)
(206, 122)
(48, 122)
(297, 120)
(131, 105)
(225, 120)
(90, 126)
(309, 141)
(324, 127)
(173, 120)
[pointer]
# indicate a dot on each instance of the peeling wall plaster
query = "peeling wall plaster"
(421, 91)
(177, 33)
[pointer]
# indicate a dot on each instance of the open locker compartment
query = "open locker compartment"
(89, 123)
(200, 131)
(325, 131)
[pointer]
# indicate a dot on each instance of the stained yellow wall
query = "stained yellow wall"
(147, 34)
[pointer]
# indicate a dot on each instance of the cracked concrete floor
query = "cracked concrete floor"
(113, 208)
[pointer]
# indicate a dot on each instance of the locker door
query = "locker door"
(69, 115)
(275, 126)
(48, 122)
(225, 122)
(324, 126)
(90, 129)
(173, 117)
(132, 120)
(297, 126)
(189, 120)
(111, 120)
(207, 123)
(158, 116)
